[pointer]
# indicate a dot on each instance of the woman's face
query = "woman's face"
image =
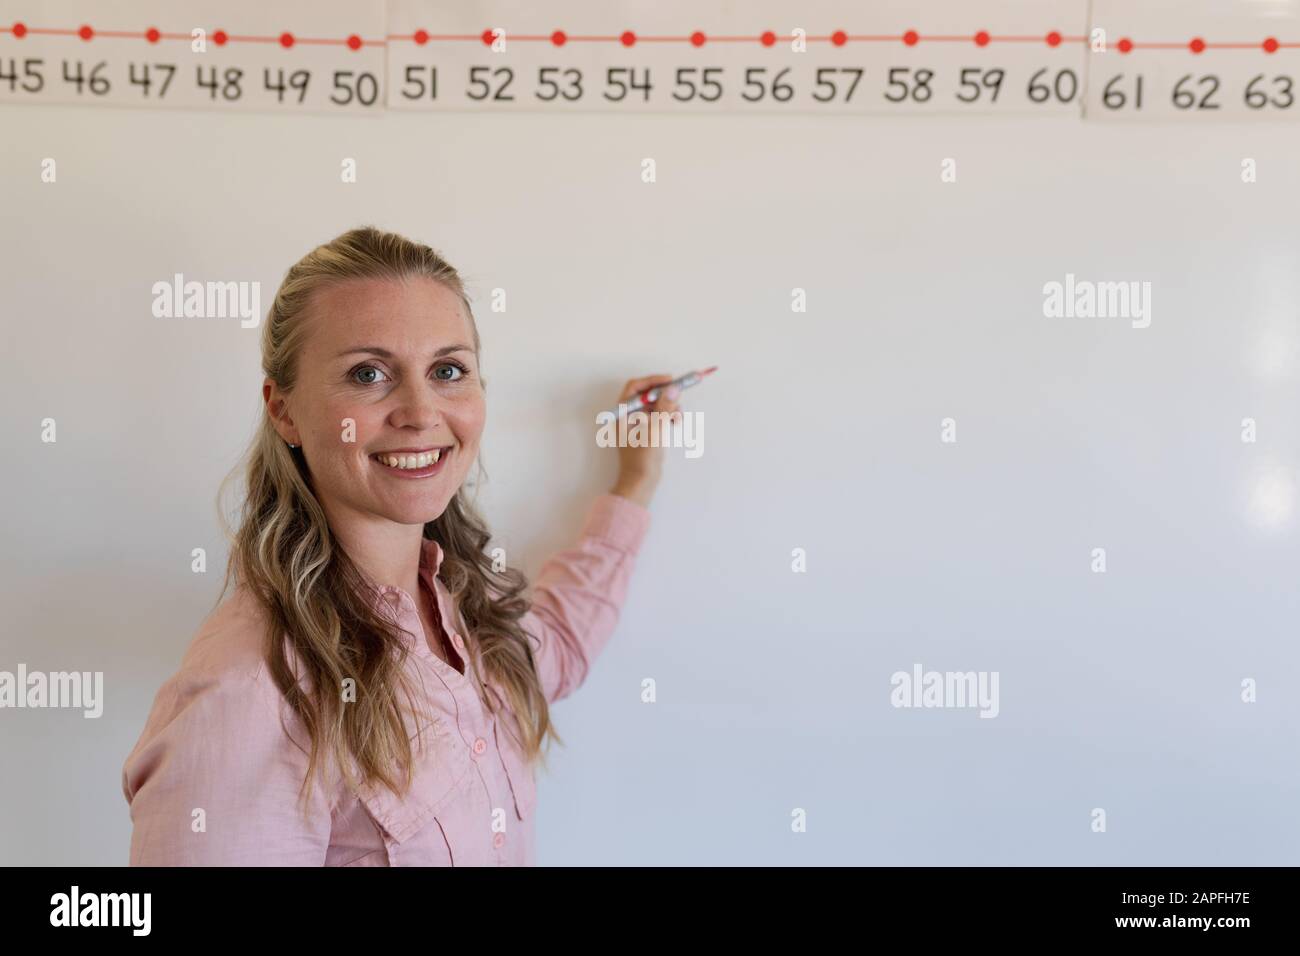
(397, 359)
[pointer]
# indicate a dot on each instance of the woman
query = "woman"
(374, 692)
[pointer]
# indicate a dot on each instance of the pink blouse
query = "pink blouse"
(214, 779)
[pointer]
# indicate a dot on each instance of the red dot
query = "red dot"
(1270, 45)
(354, 42)
(768, 38)
(1053, 39)
(981, 39)
(839, 38)
(286, 40)
(20, 30)
(697, 38)
(421, 37)
(558, 38)
(220, 38)
(487, 37)
(910, 38)
(628, 38)
(1197, 45)
(152, 35)
(1125, 45)
(85, 33)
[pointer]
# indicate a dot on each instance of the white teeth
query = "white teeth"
(404, 462)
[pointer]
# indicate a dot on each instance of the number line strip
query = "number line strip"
(558, 38)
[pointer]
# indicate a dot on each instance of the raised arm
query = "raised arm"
(579, 592)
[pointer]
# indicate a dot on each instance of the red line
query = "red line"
(437, 36)
(1184, 45)
(230, 38)
(548, 38)
(856, 38)
(318, 41)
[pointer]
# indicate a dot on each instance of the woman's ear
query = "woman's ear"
(277, 407)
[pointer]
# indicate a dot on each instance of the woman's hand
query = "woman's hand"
(640, 467)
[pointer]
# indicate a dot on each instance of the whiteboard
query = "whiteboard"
(923, 246)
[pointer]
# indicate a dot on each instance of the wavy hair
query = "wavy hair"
(323, 625)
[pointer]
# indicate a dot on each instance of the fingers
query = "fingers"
(663, 403)
(667, 406)
(641, 384)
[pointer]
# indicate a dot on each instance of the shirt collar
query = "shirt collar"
(431, 555)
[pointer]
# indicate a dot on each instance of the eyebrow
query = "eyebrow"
(385, 353)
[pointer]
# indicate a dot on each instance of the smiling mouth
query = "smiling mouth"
(422, 462)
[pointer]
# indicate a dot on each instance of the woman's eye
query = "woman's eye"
(362, 371)
(451, 368)
(369, 375)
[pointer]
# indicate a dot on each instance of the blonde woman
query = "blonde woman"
(372, 692)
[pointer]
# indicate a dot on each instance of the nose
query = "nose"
(418, 406)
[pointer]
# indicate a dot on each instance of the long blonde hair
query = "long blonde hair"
(320, 607)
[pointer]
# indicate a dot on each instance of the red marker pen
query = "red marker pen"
(650, 395)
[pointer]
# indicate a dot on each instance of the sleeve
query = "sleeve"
(579, 592)
(214, 779)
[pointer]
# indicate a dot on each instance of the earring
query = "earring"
(292, 445)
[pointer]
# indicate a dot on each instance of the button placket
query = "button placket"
(463, 686)
(404, 607)
(444, 668)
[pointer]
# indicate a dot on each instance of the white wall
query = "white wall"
(1118, 691)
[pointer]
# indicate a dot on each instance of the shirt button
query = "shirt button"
(480, 745)
(499, 840)
(455, 639)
